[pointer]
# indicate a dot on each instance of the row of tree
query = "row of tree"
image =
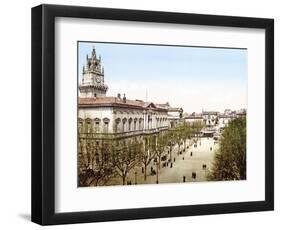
(230, 159)
(100, 161)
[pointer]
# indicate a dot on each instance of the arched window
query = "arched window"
(116, 125)
(88, 125)
(140, 124)
(124, 121)
(130, 124)
(135, 124)
(97, 125)
(105, 124)
(149, 119)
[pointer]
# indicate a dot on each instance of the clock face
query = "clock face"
(98, 80)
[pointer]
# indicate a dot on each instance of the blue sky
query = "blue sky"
(194, 78)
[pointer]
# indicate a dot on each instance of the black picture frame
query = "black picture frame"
(43, 114)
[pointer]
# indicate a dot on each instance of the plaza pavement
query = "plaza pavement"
(184, 165)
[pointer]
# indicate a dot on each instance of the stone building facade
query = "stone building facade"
(120, 117)
(117, 117)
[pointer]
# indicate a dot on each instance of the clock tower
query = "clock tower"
(92, 84)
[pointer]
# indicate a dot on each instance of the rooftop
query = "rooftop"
(117, 102)
(210, 113)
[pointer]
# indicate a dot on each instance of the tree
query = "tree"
(170, 142)
(230, 159)
(186, 133)
(197, 126)
(178, 135)
(99, 168)
(160, 146)
(147, 153)
(125, 157)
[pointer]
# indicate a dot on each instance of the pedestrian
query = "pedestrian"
(191, 154)
(183, 178)
(194, 175)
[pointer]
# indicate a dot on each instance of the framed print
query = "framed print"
(142, 114)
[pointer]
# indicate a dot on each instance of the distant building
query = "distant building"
(175, 115)
(228, 116)
(227, 112)
(192, 118)
(224, 120)
(210, 118)
(241, 113)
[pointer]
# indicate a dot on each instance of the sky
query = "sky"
(194, 78)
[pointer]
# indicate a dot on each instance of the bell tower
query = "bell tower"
(92, 84)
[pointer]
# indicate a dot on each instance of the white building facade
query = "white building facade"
(119, 117)
(210, 118)
(193, 118)
(107, 116)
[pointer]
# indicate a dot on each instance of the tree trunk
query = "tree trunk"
(145, 175)
(96, 182)
(124, 179)
(157, 175)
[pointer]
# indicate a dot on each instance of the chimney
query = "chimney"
(119, 96)
(124, 98)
